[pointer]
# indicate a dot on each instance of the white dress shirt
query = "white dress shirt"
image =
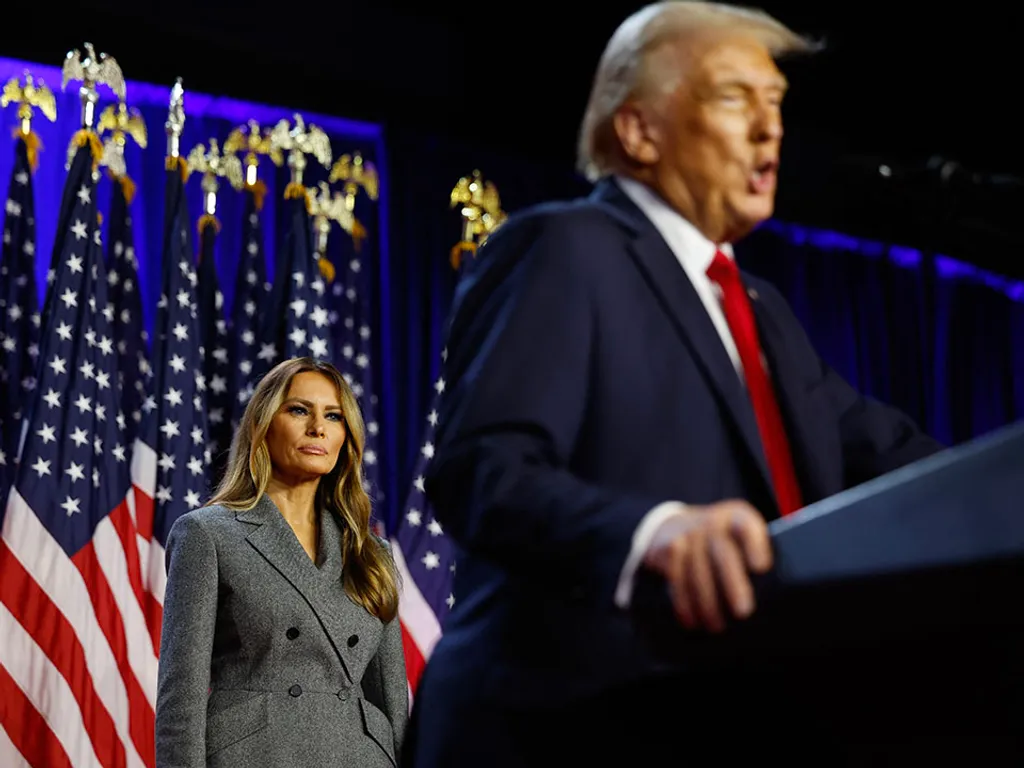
(694, 252)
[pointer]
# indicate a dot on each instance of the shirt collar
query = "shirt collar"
(691, 248)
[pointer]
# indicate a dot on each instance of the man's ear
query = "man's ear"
(639, 135)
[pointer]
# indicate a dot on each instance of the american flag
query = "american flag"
(425, 557)
(351, 320)
(169, 463)
(77, 664)
(213, 334)
(296, 322)
(251, 293)
(19, 312)
(134, 371)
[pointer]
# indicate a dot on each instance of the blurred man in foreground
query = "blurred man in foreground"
(622, 398)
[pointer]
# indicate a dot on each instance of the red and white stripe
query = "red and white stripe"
(420, 628)
(78, 662)
(151, 551)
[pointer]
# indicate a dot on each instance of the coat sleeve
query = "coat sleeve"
(186, 646)
(385, 683)
(521, 353)
(876, 438)
(394, 689)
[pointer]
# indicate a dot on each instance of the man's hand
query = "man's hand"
(705, 555)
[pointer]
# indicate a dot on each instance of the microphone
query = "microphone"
(950, 172)
(937, 169)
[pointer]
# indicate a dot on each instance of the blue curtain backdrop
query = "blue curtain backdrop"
(940, 339)
(937, 338)
(424, 228)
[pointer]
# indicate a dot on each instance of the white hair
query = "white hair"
(634, 64)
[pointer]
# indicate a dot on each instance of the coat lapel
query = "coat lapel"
(680, 301)
(798, 412)
(274, 539)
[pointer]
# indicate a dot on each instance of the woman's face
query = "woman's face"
(308, 430)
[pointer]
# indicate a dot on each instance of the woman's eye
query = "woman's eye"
(334, 416)
(297, 410)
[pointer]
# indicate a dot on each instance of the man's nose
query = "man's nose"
(767, 125)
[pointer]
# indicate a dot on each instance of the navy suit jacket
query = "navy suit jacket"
(587, 384)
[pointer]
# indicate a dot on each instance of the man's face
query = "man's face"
(716, 138)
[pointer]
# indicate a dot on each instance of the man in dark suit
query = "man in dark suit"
(621, 399)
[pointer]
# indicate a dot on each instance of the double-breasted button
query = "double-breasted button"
(353, 639)
(343, 694)
(292, 633)
(295, 690)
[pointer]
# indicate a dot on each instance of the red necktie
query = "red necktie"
(740, 316)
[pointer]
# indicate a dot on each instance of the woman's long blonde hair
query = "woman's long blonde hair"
(368, 573)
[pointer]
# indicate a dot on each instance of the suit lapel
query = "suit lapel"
(680, 301)
(797, 410)
(274, 539)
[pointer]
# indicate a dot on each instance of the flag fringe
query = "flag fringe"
(84, 137)
(178, 163)
(127, 185)
(358, 234)
(296, 191)
(326, 269)
(33, 146)
(208, 220)
(460, 248)
(258, 191)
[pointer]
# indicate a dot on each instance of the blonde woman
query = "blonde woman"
(281, 646)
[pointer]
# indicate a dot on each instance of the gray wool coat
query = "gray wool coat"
(264, 659)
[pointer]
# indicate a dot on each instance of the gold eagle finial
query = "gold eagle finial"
(28, 96)
(325, 208)
(213, 165)
(254, 143)
(327, 203)
(299, 141)
(121, 122)
(355, 173)
(480, 207)
(93, 70)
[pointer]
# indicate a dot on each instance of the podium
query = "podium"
(893, 619)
